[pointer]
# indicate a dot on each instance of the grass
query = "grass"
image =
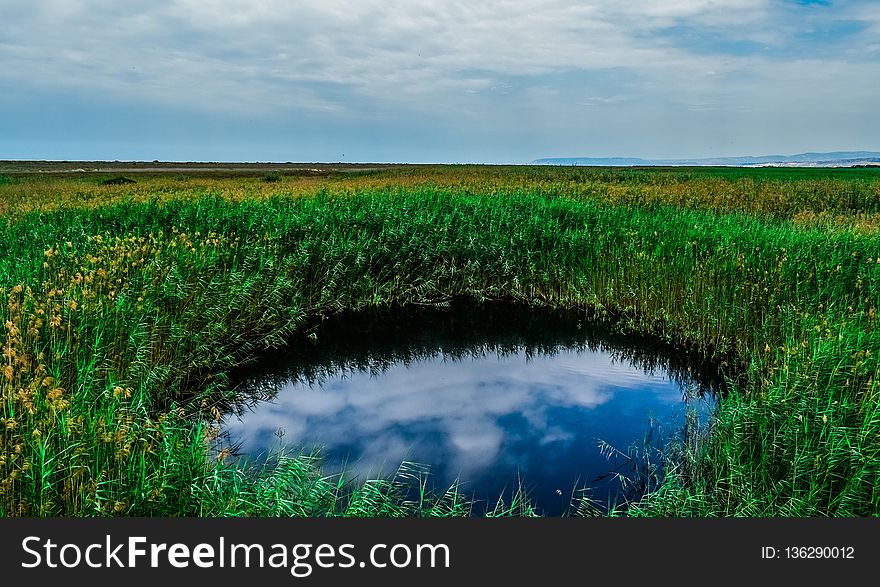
(125, 307)
(273, 177)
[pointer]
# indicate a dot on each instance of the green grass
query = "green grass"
(273, 177)
(123, 316)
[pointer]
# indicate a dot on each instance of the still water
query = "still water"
(496, 397)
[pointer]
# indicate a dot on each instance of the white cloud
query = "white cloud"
(242, 52)
(463, 67)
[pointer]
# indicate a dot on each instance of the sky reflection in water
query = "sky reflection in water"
(488, 417)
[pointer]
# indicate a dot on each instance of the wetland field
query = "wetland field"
(242, 340)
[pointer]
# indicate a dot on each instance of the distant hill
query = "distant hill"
(832, 159)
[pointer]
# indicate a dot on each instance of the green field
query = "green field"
(125, 306)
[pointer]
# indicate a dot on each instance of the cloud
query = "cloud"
(257, 52)
(462, 69)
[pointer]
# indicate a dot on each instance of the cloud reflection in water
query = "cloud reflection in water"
(485, 419)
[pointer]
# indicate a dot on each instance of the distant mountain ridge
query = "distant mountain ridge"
(831, 159)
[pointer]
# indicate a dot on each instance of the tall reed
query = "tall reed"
(125, 307)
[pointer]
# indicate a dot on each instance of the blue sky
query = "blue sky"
(498, 81)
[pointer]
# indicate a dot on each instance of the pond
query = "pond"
(496, 396)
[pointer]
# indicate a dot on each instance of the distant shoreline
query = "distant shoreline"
(830, 159)
(87, 167)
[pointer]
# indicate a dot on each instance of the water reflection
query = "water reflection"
(487, 394)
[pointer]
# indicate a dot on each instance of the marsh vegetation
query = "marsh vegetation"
(125, 308)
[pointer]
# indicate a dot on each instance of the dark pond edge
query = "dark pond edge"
(374, 338)
(371, 340)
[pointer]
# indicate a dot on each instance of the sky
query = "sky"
(446, 81)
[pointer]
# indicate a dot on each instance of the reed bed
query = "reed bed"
(125, 307)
